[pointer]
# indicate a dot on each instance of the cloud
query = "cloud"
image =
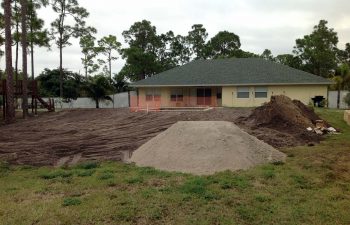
(272, 24)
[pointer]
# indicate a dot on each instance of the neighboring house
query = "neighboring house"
(228, 82)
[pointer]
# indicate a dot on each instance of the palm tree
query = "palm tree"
(98, 88)
(341, 80)
(10, 109)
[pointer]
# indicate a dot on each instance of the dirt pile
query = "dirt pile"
(282, 112)
(205, 147)
(282, 117)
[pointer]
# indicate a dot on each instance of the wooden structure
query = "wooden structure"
(32, 93)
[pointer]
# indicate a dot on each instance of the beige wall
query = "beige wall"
(229, 96)
(303, 93)
(189, 98)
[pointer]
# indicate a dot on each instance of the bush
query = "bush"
(71, 202)
(56, 174)
(88, 165)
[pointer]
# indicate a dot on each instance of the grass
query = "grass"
(311, 187)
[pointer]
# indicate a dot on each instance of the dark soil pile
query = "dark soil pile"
(282, 117)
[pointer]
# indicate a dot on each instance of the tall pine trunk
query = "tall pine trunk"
(110, 66)
(61, 70)
(24, 10)
(10, 109)
(17, 42)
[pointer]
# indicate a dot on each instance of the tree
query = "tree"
(141, 55)
(10, 109)
(318, 50)
(2, 38)
(62, 30)
(267, 55)
(197, 40)
(37, 35)
(90, 52)
(108, 45)
(120, 83)
(24, 7)
(16, 17)
(225, 44)
(289, 60)
(49, 84)
(344, 55)
(179, 50)
(98, 88)
(341, 80)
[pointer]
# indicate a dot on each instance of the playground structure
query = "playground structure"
(32, 93)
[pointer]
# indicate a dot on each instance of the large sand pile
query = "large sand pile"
(204, 147)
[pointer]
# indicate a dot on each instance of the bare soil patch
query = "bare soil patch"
(205, 147)
(72, 136)
(66, 137)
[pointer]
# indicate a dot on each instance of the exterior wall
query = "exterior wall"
(229, 96)
(302, 93)
(189, 98)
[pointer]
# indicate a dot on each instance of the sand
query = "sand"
(204, 147)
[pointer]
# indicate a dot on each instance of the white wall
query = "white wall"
(332, 99)
(121, 100)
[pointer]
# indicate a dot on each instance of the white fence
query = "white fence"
(120, 100)
(332, 99)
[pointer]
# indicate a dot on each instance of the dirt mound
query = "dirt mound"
(286, 118)
(281, 111)
(204, 147)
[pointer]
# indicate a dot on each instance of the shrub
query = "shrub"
(88, 165)
(56, 174)
(71, 202)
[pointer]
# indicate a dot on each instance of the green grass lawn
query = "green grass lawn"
(312, 187)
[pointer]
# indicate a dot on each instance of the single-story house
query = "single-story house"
(247, 82)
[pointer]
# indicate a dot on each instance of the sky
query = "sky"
(261, 24)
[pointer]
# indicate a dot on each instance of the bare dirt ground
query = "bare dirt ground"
(76, 135)
(71, 136)
(205, 147)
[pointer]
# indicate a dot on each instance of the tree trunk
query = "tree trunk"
(32, 50)
(10, 109)
(97, 104)
(86, 68)
(61, 69)
(17, 42)
(24, 6)
(338, 99)
(110, 66)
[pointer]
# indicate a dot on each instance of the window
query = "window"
(152, 94)
(261, 92)
(176, 95)
(149, 94)
(243, 92)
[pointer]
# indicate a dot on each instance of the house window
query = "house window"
(176, 95)
(243, 92)
(261, 92)
(152, 94)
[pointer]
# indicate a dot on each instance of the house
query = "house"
(247, 82)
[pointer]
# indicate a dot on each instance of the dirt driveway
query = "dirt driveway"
(70, 136)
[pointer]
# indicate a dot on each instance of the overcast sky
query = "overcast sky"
(261, 24)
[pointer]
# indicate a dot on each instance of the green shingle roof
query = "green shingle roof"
(221, 72)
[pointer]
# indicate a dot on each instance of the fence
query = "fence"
(120, 100)
(332, 99)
